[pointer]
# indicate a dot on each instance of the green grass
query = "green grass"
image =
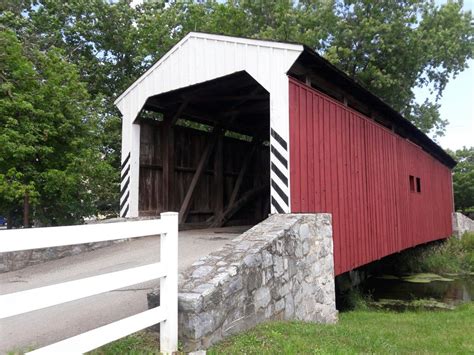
(20, 352)
(359, 331)
(138, 343)
(362, 331)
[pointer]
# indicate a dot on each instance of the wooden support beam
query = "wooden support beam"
(327, 87)
(228, 98)
(332, 89)
(240, 128)
(183, 211)
(232, 110)
(219, 177)
(218, 219)
(167, 136)
(242, 173)
(246, 197)
(216, 133)
(178, 112)
(266, 208)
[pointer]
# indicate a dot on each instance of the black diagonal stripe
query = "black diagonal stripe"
(124, 175)
(280, 174)
(280, 157)
(124, 214)
(125, 161)
(124, 188)
(125, 200)
(279, 139)
(280, 191)
(277, 206)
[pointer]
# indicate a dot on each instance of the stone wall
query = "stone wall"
(17, 260)
(462, 224)
(281, 269)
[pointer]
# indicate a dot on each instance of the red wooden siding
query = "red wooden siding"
(345, 164)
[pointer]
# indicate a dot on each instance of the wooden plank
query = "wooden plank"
(183, 211)
(178, 112)
(207, 171)
(219, 177)
(46, 237)
(366, 188)
(218, 218)
(31, 300)
(169, 284)
(168, 151)
(95, 338)
(151, 166)
(246, 197)
(242, 172)
(216, 132)
(230, 98)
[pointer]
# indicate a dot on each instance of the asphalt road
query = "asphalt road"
(46, 326)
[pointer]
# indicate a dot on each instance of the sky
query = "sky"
(457, 104)
(457, 107)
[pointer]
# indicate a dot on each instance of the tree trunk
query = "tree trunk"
(26, 211)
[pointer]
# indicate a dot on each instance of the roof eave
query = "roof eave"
(436, 150)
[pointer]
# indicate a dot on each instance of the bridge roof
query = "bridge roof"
(201, 57)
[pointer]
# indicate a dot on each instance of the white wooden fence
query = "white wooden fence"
(167, 270)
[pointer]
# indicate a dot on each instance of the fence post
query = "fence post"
(169, 283)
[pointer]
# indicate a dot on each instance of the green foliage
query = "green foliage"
(353, 299)
(48, 143)
(391, 47)
(394, 46)
(463, 179)
(12, 191)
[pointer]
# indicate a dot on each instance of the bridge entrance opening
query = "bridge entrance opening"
(204, 152)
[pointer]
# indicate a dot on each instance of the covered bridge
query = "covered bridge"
(226, 130)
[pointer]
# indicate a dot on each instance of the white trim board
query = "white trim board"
(201, 57)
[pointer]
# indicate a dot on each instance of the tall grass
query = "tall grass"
(451, 256)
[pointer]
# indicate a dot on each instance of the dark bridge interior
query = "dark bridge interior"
(204, 152)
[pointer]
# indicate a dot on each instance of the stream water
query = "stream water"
(459, 290)
(423, 290)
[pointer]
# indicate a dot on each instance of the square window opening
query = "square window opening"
(412, 183)
(418, 184)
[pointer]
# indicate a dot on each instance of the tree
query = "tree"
(48, 150)
(463, 180)
(389, 46)
(394, 46)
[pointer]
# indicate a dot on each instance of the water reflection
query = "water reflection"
(460, 290)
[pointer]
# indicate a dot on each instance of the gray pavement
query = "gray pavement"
(46, 326)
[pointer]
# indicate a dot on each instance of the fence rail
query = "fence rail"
(166, 270)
